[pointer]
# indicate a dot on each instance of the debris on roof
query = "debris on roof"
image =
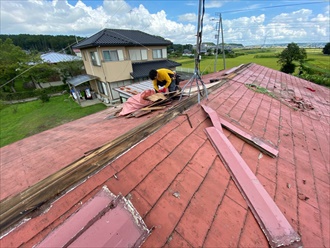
(134, 89)
(145, 102)
(136, 102)
(255, 141)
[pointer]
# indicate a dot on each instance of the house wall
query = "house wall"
(116, 70)
(114, 74)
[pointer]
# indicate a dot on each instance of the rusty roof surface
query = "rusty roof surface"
(174, 177)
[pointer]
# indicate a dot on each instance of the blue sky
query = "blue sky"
(245, 22)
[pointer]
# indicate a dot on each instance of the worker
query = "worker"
(163, 78)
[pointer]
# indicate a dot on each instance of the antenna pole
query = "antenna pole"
(196, 77)
(199, 37)
(223, 45)
(217, 47)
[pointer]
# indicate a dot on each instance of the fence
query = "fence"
(187, 70)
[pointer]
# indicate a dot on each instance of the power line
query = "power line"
(270, 7)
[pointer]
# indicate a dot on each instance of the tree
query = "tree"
(326, 49)
(292, 53)
(40, 73)
(12, 59)
(70, 69)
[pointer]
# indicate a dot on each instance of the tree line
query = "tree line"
(43, 43)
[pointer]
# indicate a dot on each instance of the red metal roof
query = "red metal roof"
(105, 220)
(175, 179)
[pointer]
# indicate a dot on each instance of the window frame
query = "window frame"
(141, 54)
(160, 53)
(95, 58)
(119, 55)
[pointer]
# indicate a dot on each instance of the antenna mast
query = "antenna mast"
(196, 77)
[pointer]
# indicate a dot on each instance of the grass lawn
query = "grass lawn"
(21, 120)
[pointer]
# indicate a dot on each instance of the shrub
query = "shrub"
(288, 68)
(44, 97)
(326, 49)
(321, 80)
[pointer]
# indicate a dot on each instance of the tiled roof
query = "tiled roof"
(175, 178)
(141, 69)
(53, 57)
(121, 37)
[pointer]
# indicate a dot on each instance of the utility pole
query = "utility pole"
(223, 45)
(219, 24)
(216, 49)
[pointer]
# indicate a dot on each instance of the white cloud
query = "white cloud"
(60, 17)
(189, 17)
(296, 26)
(213, 4)
(321, 18)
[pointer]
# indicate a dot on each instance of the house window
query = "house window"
(100, 88)
(138, 54)
(105, 88)
(113, 55)
(159, 53)
(95, 58)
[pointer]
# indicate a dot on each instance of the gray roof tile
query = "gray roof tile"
(121, 37)
(141, 69)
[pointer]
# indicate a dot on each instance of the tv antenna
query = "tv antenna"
(196, 78)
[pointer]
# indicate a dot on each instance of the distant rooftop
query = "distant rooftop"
(54, 57)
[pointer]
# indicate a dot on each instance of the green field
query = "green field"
(21, 120)
(265, 57)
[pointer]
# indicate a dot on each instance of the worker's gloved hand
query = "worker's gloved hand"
(162, 90)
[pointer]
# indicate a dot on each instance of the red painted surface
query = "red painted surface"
(116, 228)
(64, 233)
(217, 123)
(207, 208)
(213, 116)
(273, 223)
(95, 225)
